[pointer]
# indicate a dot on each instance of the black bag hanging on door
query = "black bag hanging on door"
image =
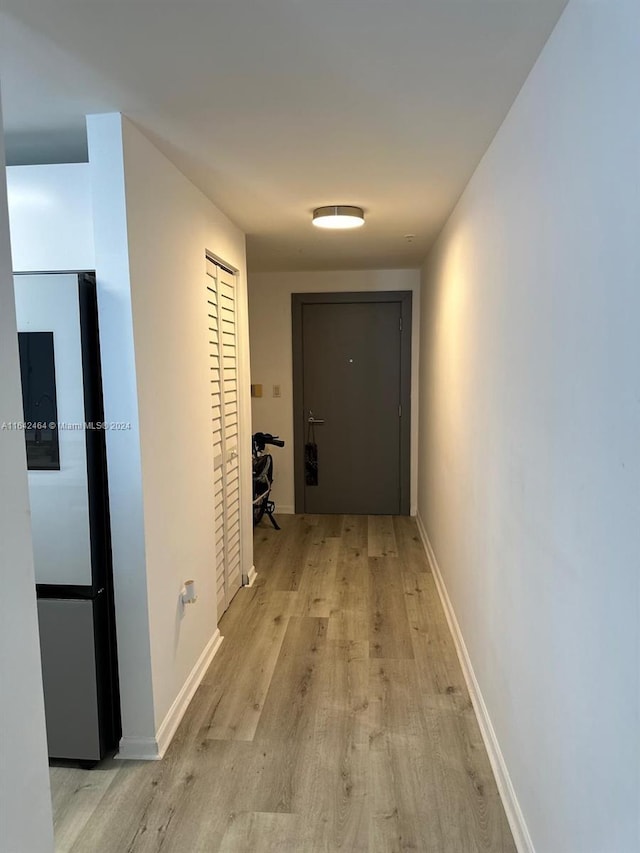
(311, 458)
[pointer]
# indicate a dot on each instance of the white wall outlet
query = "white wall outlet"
(188, 592)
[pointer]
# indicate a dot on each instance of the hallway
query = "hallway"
(334, 717)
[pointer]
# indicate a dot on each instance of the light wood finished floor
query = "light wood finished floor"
(334, 718)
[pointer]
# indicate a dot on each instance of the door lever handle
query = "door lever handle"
(313, 420)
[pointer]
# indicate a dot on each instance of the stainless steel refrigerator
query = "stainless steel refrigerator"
(66, 457)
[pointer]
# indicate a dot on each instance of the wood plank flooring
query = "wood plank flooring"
(334, 718)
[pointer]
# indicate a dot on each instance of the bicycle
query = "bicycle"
(263, 476)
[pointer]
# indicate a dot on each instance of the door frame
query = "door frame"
(298, 301)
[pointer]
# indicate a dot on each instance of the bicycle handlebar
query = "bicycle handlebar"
(261, 439)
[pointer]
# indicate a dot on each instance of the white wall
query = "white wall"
(271, 355)
(123, 448)
(171, 224)
(529, 431)
(51, 217)
(25, 804)
(154, 321)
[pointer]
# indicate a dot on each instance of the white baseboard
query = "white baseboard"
(510, 802)
(285, 509)
(251, 577)
(140, 748)
(176, 712)
(153, 749)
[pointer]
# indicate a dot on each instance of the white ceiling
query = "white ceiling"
(274, 107)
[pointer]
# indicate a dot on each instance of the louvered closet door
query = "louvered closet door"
(221, 303)
(231, 475)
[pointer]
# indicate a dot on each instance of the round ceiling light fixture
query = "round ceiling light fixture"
(338, 216)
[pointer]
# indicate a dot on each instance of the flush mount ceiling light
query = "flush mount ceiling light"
(338, 216)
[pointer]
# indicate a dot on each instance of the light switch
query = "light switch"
(276, 390)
